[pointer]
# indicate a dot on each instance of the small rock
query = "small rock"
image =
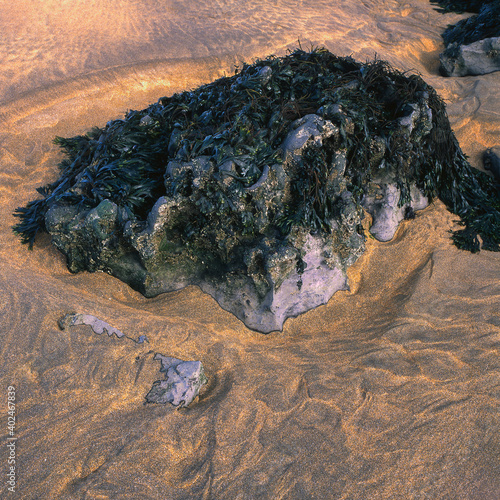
(183, 381)
(145, 121)
(97, 325)
(265, 74)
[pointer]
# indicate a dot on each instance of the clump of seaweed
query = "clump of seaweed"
(245, 118)
(459, 6)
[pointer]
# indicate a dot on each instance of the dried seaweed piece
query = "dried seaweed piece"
(459, 6)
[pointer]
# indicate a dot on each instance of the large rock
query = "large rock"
(254, 187)
(477, 58)
(263, 279)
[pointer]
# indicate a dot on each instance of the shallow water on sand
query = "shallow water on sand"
(390, 391)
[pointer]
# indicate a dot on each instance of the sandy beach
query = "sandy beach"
(390, 391)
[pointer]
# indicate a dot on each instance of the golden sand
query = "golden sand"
(390, 391)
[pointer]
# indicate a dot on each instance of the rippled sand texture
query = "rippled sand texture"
(391, 391)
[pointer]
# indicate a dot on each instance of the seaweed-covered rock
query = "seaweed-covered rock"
(263, 277)
(477, 58)
(472, 46)
(254, 187)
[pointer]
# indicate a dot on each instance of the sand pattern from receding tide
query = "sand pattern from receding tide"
(390, 391)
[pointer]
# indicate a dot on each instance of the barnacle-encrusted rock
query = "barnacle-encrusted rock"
(254, 187)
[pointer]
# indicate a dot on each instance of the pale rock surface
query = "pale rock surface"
(382, 202)
(98, 325)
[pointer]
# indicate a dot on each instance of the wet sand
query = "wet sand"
(390, 391)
